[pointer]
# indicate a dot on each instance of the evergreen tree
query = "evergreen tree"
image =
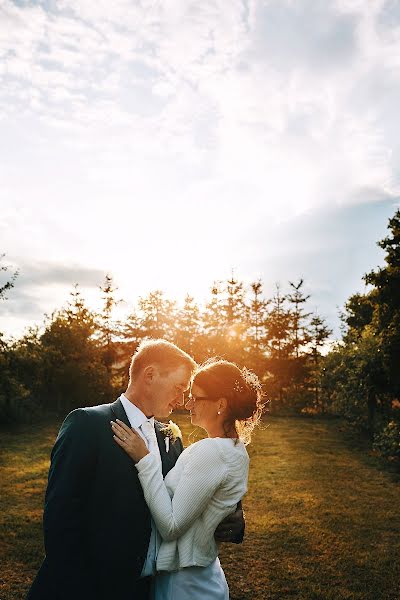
(73, 370)
(131, 331)
(131, 335)
(299, 365)
(214, 325)
(385, 298)
(256, 333)
(108, 328)
(234, 306)
(361, 377)
(279, 346)
(235, 313)
(319, 333)
(157, 316)
(299, 329)
(358, 313)
(188, 333)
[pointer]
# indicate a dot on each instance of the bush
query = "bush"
(387, 441)
(16, 407)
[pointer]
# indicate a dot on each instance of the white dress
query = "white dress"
(207, 482)
(191, 583)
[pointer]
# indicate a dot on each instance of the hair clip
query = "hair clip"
(238, 387)
(251, 379)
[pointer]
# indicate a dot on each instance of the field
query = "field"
(322, 514)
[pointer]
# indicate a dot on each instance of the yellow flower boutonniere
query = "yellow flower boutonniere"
(172, 433)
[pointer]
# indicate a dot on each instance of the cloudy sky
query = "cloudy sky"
(168, 141)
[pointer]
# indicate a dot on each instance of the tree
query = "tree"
(319, 333)
(352, 380)
(256, 332)
(188, 332)
(214, 323)
(361, 377)
(279, 345)
(108, 328)
(299, 335)
(234, 306)
(235, 313)
(157, 316)
(299, 330)
(12, 392)
(73, 369)
(5, 287)
(358, 313)
(14, 395)
(385, 298)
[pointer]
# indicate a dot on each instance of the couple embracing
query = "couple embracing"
(129, 514)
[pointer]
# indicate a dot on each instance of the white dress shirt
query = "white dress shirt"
(136, 419)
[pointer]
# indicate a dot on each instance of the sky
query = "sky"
(169, 142)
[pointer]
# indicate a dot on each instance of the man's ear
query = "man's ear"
(148, 374)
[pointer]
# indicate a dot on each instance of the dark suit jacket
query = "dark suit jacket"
(96, 522)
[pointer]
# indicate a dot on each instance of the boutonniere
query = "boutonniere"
(171, 434)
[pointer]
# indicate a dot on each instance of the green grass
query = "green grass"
(323, 518)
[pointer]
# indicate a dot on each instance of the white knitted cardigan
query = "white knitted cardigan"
(205, 485)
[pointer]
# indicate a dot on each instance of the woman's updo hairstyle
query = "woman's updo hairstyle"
(242, 390)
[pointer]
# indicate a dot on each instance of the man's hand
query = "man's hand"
(231, 529)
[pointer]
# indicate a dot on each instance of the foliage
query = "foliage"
(351, 377)
(9, 283)
(385, 298)
(188, 333)
(13, 393)
(387, 441)
(82, 357)
(108, 329)
(365, 371)
(257, 327)
(55, 370)
(73, 359)
(319, 333)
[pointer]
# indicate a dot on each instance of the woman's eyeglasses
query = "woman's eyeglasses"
(198, 398)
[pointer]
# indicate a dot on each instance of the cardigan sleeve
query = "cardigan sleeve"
(203, 474)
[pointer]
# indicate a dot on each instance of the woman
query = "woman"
(207, 482)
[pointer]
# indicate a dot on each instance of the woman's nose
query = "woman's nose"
(189, 404)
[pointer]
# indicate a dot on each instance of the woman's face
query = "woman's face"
(203, 411)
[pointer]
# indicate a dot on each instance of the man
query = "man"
(94, 494)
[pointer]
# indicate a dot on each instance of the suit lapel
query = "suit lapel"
(119, 412)
(168, 459)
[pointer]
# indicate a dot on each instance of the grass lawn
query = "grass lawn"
(323, 517)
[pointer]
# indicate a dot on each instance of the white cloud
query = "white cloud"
(144, 121)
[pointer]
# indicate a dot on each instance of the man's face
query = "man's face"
(167, 389)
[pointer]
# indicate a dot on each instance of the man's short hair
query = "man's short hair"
(165, 354)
